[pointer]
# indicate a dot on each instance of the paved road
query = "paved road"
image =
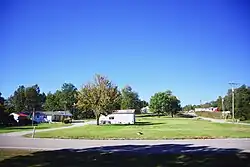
(55, 144)
(15, 140)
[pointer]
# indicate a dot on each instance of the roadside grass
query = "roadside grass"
(26, 128)
(153, 128)
(85, 157)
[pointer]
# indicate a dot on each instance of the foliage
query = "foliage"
(99, 96)
(242, 102)
(68, 95)
(2, 113)
(143, 103)
(51, 103)
(19, 99)
(188, 107)
(130, 99)
(25, 99)
(63, 99)
(164, 103)
(33, 98)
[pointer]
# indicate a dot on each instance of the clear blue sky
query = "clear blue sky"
(193, 48)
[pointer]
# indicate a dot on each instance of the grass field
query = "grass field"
(26, 128)
(154, 128)
(63, 158)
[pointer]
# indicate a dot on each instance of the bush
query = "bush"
(25, 122)
(67, 120)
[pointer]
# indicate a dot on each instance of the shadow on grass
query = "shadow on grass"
(133, 155)
(21, 128)
(178, 115)
(136, 124)
(181, 115)
(149, 115)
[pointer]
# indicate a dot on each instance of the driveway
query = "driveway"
(19, 134)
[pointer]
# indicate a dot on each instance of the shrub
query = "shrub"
(67, 120)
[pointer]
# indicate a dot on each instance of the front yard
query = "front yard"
(26, 128)
(154, 128)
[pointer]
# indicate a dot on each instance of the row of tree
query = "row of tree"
(97, 97)
(241, 98)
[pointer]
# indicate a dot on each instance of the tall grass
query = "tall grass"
(215, 115)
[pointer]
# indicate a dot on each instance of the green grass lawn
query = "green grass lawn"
(154, 128)
(65, 158)
(26, 128)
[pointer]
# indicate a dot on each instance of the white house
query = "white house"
(145, 110)
(39, 117)
(119, 117)
(210, 109)
(57, 116)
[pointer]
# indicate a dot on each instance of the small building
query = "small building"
(57, 116)
(145, 110)
(39, 116)
(210, 109)
(119, 117)
(19, 116)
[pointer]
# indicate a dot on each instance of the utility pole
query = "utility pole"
(222, 104)
(233, 84)
(222, 107)
(33, 115)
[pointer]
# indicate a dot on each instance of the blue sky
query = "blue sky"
(193, 48)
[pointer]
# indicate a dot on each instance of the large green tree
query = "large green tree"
(63, 99)
(68, 96)
(33, 98)
(1, 108)
(19, 99)
(130, 99)
(53, 102)
(26, 99)
(242, 103)
(164, 103)
(100, 96)
(188, 107)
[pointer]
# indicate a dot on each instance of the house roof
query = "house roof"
(19, 114)
(129, 111)
(30, 112)
(22, 115)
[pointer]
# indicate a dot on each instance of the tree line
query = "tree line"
(241, 98)
(99, 96)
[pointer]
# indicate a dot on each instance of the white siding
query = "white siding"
(119, 118)
(49, 118)
(15, 116)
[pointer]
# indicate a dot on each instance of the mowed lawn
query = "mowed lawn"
(154, 128)
(26, 128)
